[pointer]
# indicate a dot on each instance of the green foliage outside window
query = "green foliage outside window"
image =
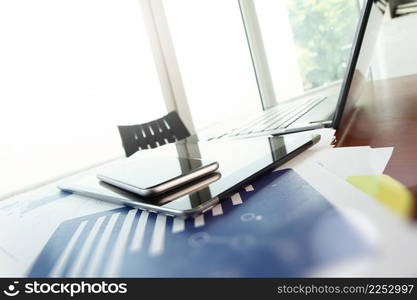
(323, 32)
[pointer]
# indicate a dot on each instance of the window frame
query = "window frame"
(166, 61)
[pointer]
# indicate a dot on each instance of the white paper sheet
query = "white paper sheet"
(344, 161)
(348, 161)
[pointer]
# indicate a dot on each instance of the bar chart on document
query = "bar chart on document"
(277, 226)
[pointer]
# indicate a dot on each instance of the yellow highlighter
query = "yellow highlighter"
(387, 190)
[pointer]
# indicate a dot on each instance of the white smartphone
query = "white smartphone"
(151, 178)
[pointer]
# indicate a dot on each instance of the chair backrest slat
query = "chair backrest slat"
(139, 137)
(157, 133)
(150, 140)
(165, 131)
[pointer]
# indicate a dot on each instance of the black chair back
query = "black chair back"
(167, 129)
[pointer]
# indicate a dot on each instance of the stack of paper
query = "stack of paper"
(362, 167)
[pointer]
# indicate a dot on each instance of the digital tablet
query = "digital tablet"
(240, 161)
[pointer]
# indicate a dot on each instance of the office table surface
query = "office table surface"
(389, 118)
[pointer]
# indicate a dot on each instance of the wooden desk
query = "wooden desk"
(388, 117)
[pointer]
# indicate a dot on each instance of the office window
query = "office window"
(214, 59)
(70, 72)
(307, 42)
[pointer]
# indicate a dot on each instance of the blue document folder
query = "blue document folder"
(278, 226)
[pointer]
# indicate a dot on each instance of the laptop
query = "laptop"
(308, 113)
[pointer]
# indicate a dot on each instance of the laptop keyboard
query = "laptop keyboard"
(279, 116)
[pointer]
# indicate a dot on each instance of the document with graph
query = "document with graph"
(277, 226)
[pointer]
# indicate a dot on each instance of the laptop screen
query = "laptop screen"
(355, 81)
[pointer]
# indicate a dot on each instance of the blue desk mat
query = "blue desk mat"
(279, 226)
